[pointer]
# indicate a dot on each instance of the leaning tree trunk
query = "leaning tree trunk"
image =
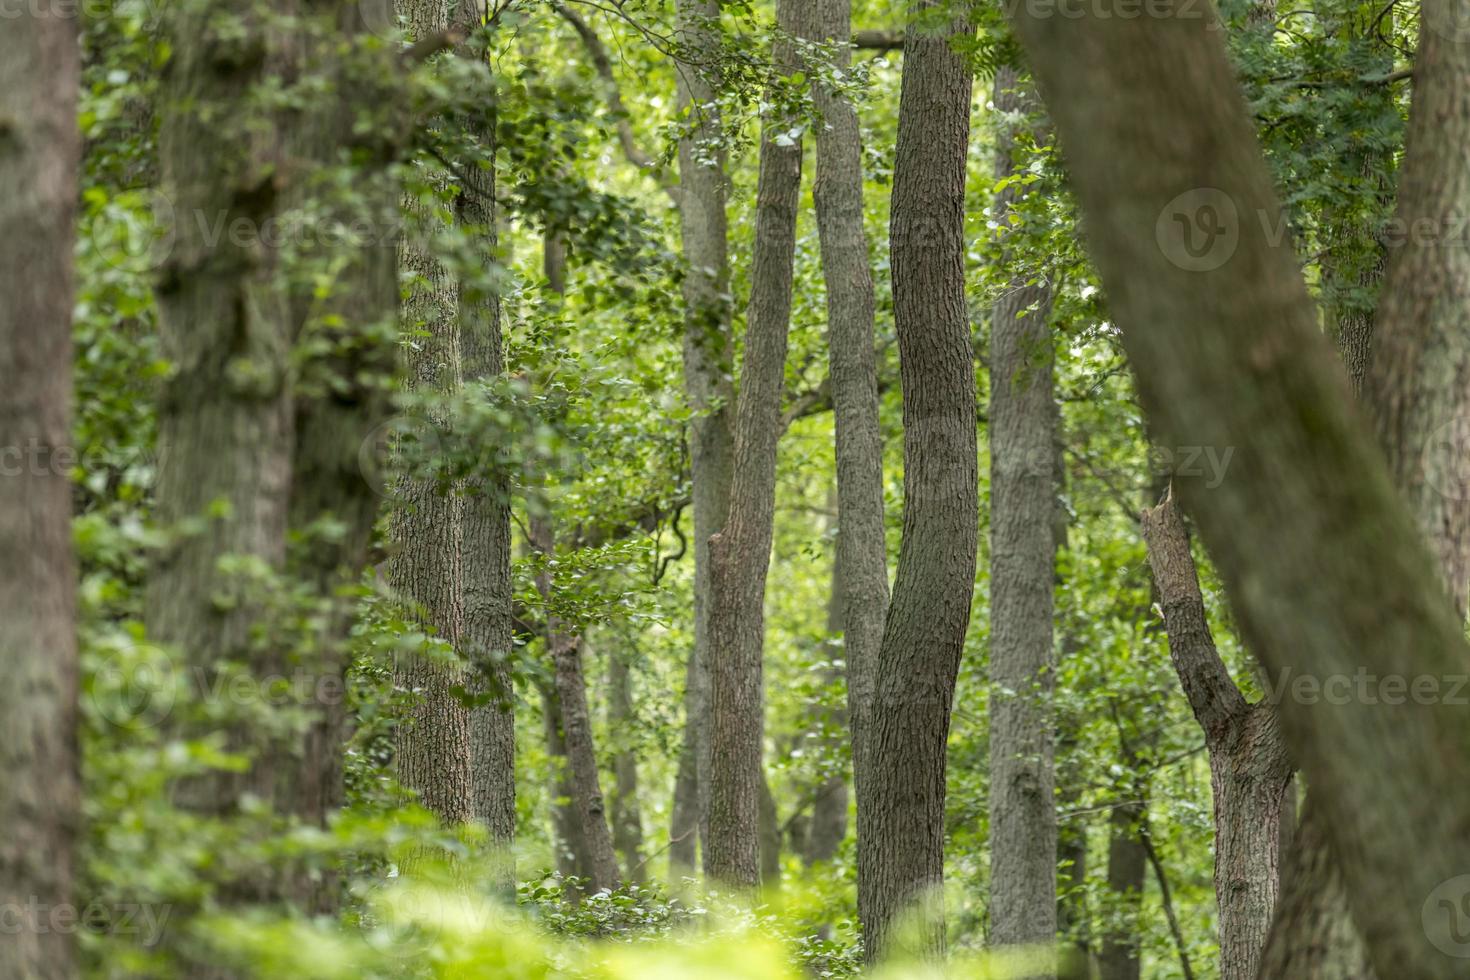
(741, 553)
(901, 820)
(39, 795)
(862, 549)
(1418, 390)
(1322, 559)
(704, 233)
(1023, 825)
(1250, 772)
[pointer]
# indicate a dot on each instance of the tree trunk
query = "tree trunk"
(901, 821)
(741, 553)
(1319, 554)
(225, 419)
(627, 817)
(39, 797)
(584, 822)
(1127, 863)
(435, 757)
(1023, 829)
(1416, 389)
(488, 586)
(862, 549)
(706, 286)
(1249, 768)
(823, 833)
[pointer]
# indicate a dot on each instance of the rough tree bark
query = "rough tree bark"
(1417, 389)
(740, 553)
(1023, 827)
(434, 753)
(1250, 771)
(862, 550)
(703, 232)
(627, 816)
(488, 588)
(901, 823)
(39, 796)
(1320, 555)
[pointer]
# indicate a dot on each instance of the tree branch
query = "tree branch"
(1216, 701)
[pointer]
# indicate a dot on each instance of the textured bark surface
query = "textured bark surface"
(862, 549)
(582, 817)
(486, 534)
(1319, 554)
(39, 794)
(627, 814)
(703, 231)
(1023, 828)
(1419, 381)
(901, 824)
(1249, 769)
(740, 553)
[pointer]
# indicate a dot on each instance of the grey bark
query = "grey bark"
(706, 286)
(1023, 830)
(1319, 554)
(1416, 390)
(740, 553)
(39, 796)
(486, 527)
(901, 824)
(862, 550)
(627, 815)
(1250, 771)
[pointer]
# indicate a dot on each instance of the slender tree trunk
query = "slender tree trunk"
(901, 823)
(703, 230)
(862, 549)
(488, 587)
(741, 553)
(827, 827)
(596, 861)
(1249, 768)
(1023, 830)
(1317, 550)
(39, 795)
(627, 816)
(1127, 864)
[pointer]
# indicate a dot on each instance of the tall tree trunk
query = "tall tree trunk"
(343, 395)
(627, 816)
(488, 586)
(1023, 828)
(434, 754)
(1127, 863)
(1250, 772)
(862, 549)
(827, 827)
(901, 822)
(1418, 390)
(225, 419)
(741, 553)
(1320, 555)
(706, 286)
(597, 861)
(39, 795)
